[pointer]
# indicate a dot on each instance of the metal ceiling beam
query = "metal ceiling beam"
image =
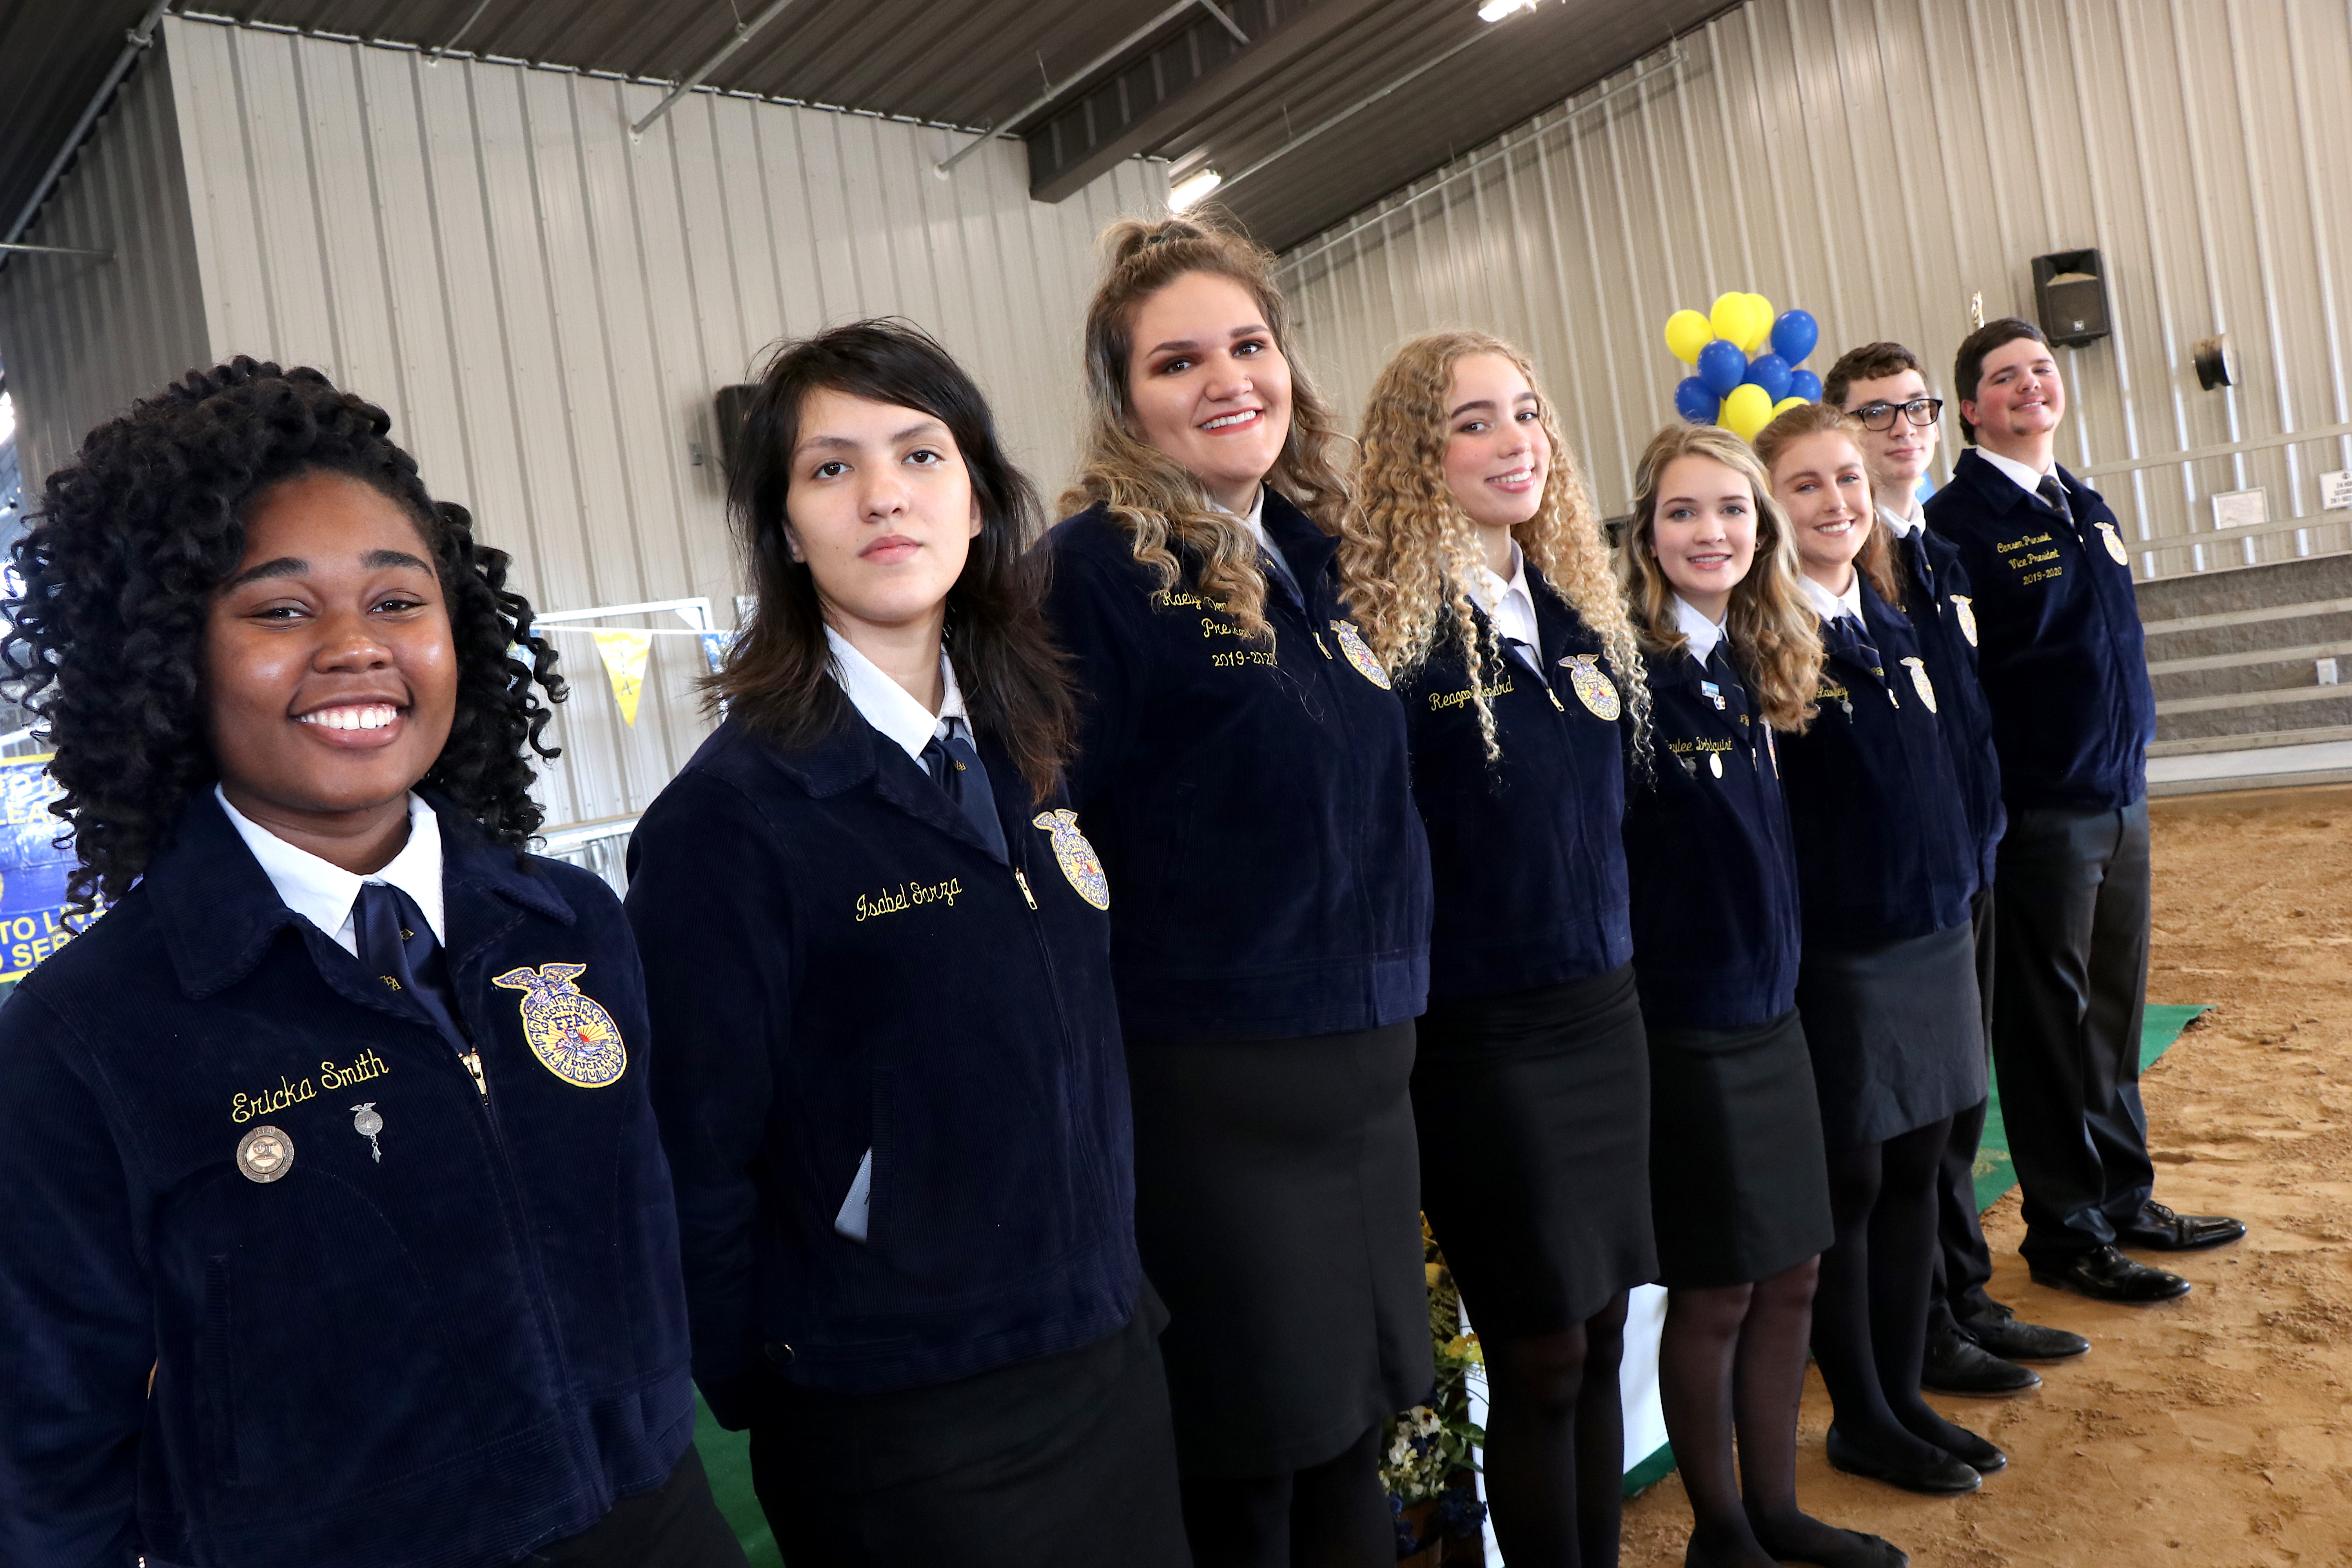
(1052, 95)
(1107, 127)
(135, 42)
(743, 31)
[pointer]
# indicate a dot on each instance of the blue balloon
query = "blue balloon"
(1770, 372)
(1720, 365)
(1804, 383)
(1794, 335)
(1693, 401)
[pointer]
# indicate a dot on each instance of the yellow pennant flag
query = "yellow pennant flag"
(624, 661)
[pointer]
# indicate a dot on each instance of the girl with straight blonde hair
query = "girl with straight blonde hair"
(1480, 577)
(1887, 866)
(1739, 1188)
(1241, 766)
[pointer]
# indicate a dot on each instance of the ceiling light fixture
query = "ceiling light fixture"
(1496, 10)
(1191, 188)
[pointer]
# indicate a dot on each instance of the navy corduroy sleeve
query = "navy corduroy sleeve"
(1089, 613)
(79, 1340)
(707, 900)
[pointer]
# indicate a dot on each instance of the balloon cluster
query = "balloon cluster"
(1732, 388)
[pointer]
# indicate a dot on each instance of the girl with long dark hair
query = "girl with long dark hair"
(1242, 757)
(890, 1076)
(338, 1226)
(1481, 579)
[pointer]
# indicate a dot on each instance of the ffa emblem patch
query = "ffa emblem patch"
(1359, 653)
(2114, 543)
(572, 1035)
(1077, 857)
(1965, 612)
(1594, 690)
(1920, 682)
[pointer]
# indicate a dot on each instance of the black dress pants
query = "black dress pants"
(1963, 1261)
(676, 1525)
(2070, 988)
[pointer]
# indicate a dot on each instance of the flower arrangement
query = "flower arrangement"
(1430, 1451)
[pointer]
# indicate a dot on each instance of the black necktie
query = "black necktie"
(2054, 494)
(956, 768)
(1916, 569)
(399, 950)
(1845, 637)
(1528, 655)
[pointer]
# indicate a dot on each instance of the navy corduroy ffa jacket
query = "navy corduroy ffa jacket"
(1710, 860)
(2063, 660)
(1253, 803)
(1526, 853)
(837, 963)
(1940, 604)
(1884, 849)
(443, 1358)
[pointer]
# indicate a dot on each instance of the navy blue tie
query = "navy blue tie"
(955, 767)
(399, 951)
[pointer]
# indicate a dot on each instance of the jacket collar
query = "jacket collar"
(220, 914)
(1307, 548)
(854, 753)
(2000, 492)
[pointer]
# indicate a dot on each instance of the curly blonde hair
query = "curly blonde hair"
(1151, 497)
(1775, 637)
(1876, 557)
(1405, 559)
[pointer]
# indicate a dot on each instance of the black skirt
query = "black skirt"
(1533, 1110)
(1067, 1458)
(1277, 1199)
(1896, 1033)
(1739, 1184)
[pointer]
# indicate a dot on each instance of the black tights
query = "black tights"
(1733, 1357)
(1331, 1515)
(1870, 1319)
(1555, 1443)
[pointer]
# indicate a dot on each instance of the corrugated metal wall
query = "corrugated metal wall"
(546, 308)
(81, 337)
(1877, 162)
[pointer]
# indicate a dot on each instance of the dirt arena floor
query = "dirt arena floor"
(2215, 1431)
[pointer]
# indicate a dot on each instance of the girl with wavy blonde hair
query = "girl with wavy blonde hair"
(1740, 1181)
(1479, 576)
(1409, 565)
(1242, 775)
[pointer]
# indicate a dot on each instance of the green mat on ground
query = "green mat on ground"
(2160, 1026)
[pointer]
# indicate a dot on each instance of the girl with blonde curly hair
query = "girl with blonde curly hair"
(1738, 1180)
(1480, 576)
(1242, 768)
(1886, 866)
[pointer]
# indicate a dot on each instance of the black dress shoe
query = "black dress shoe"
(1943, 1476)
(1998, 1333)
(1974, 1452)
(1958, 1364)
(2158, 1230)
(2105, 1275)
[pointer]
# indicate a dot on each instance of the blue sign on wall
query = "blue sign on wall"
(33, 869)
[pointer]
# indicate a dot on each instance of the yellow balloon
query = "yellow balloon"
(1687, 331)
(1729, 318)
(1746, 410)
(1759, 323)
(1788, 403)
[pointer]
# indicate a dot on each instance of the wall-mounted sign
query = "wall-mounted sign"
(2335, 490)
(2241, 509)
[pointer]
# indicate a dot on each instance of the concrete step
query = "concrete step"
(2236, 678)
(2246, 588)
(2234, 656)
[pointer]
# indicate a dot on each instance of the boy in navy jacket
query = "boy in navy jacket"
(2064, 669)
(338, 1230)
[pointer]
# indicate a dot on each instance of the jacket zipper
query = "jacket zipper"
(473, 1060)
(1021, 878)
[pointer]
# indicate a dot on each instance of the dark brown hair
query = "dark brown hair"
(1867, 363)
(1875, 558)
(778, 675)
(1967, 368)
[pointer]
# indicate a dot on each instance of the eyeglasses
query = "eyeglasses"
(1881, 416)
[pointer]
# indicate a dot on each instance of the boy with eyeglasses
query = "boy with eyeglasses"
(2065, 671)
(1973, 1341)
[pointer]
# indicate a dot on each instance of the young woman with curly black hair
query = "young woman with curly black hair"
(339, 1229)
(891, 1079)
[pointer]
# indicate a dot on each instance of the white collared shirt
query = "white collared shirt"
(325, 894)
(1903, 527)
(1829, 605)
(2024, 478)
(1254, 521)
(1703, 633)
(1510, 605)
(890, 707)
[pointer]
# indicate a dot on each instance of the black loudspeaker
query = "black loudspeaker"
(731, 404)
(2070, 293)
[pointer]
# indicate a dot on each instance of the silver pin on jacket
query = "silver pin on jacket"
(367, 1124)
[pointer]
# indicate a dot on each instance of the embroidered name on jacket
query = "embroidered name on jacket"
(906, 896)
(367, 1065)
(571, 1033)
